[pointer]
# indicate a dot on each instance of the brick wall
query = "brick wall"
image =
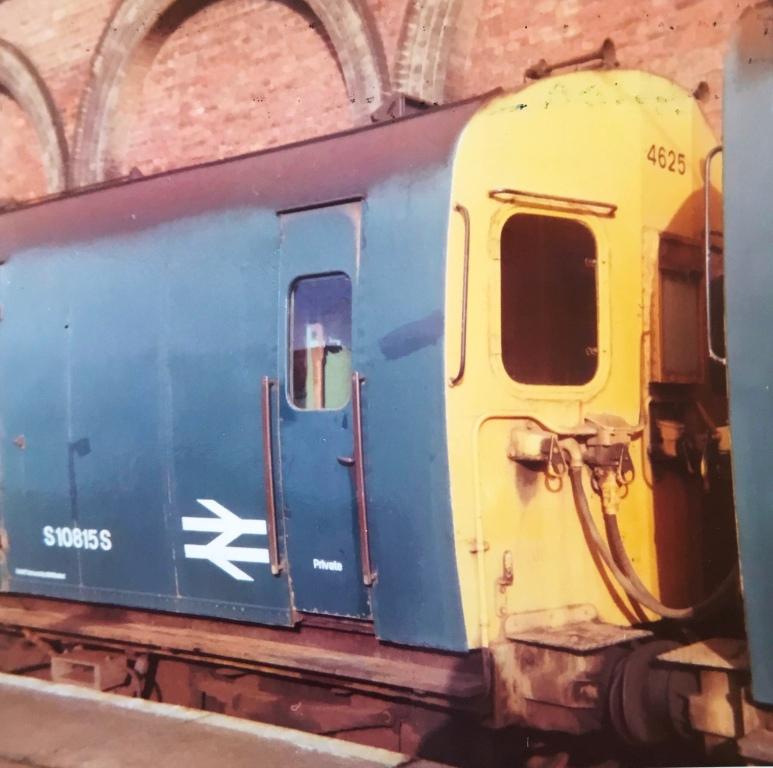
(683, 40)
(215, 78)
(21, 170)
(236, 76)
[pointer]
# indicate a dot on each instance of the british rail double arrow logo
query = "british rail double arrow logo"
(229, 527)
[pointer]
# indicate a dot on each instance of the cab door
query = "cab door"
(319, 272)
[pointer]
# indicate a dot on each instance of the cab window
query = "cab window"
(320, 358)
(549, 303)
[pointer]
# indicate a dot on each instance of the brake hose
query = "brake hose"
(620, 565)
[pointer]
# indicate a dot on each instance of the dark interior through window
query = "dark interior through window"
(549, 314)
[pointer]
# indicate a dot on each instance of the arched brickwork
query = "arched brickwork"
(20, 79)
(137, 30)
(435, 40)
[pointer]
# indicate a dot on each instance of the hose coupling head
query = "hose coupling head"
(574, 451)
(606, 483)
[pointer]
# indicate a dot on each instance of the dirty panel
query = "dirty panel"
(220, 316)
(116, 458)
(399, 349)
(34, 426)
(144, 355)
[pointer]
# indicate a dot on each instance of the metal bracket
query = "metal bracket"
(605, 55)
(543, 200)
(474, 549)
(90, 669)
(580, 636)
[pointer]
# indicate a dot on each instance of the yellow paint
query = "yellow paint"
(583, 135)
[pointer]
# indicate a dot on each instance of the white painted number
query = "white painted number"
(77, 538)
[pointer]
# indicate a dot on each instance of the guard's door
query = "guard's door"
(319, 270)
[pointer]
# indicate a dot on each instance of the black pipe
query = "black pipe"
(622, 569)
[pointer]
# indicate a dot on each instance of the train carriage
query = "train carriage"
(749, 84)
(388, 382)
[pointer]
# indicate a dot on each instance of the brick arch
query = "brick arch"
(138, 28)
(435, 41)
(20, 79)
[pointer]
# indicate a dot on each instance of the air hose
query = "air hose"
(620, 564)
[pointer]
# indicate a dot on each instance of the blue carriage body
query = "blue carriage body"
(749, 307)
(138, 324)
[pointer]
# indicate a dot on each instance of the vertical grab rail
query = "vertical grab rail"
(368, 574)
(268, 477)
(707, 250)
(459, 208)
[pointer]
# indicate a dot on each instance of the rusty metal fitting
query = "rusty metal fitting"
(574, 450)
(605, 55)
(609, 490)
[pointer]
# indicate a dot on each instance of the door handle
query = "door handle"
(358, 464)
(268, 477)
(345, 461)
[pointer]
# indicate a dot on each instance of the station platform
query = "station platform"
(48, 725)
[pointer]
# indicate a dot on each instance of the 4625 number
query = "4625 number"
(667, 159)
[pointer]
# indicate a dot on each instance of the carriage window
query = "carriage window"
(321, 342)
(549, 307)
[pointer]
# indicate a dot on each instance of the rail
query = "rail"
(465, 214)
(592, 207)
(268, 477)
(707, 250)
(368, 574)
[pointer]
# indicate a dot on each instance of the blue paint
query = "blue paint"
(411, 337)
(416, 598)
(132, 365)
(748, 290)
(33, 393)
(318, 497)
(154, 359)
